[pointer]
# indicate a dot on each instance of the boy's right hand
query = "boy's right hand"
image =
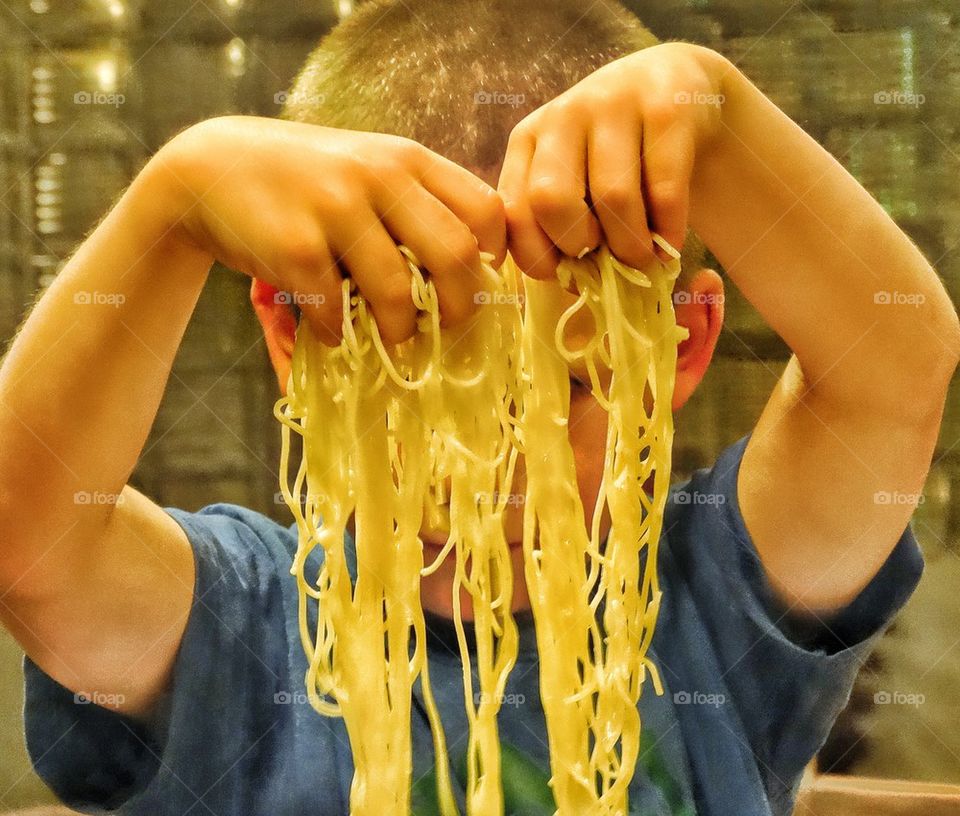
(300, 206)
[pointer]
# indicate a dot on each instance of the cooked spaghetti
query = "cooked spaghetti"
(383, 434)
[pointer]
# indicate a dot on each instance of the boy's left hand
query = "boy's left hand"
(611, 158)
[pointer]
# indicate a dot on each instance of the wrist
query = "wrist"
(165, 202)
(723, 92)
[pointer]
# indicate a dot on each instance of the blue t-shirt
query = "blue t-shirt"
(751, 690)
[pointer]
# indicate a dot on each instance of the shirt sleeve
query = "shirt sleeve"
(217, 724)
(790, 675)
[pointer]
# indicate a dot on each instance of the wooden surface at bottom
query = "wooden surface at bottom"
(861, 796)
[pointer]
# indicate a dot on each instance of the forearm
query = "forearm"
(81, 384)
(814, 253)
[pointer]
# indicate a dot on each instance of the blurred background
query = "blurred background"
(90, 88)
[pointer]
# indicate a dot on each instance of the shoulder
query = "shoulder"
(232, 526)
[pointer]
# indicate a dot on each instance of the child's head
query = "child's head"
(457, 76)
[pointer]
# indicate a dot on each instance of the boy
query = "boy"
(775, 587)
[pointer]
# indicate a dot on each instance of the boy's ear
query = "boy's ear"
(699, 308)
(275, 314)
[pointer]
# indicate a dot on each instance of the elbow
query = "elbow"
(951, 337)
(930, 357)
(911, 377)
(944, 331)
(940, 358)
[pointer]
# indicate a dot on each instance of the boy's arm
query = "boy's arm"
(839, 457)
(676, 135)
(96, 581)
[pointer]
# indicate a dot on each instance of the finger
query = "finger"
(444, 245)
(314, 282)
(558, 187)
(323, 311)
(471, 199)
(667, 162)
(613, 176)
(370, 256)
(529, 245)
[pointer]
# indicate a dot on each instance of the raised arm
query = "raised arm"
(96, 580)
(675, 136)
(839, 457)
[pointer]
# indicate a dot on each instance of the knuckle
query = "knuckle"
(616, 198)
(341, 198)
(547, 196)
(660, 111)
(396, 293)
(376, 176)
(604, 98)
(565, 105)
(668, 194)
(522, 132)
(304, 249)
(404, 153)
(462, 250)
(407, 148)
(491, 207)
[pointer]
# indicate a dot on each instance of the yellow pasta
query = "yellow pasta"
(591, 683)
(383, 433)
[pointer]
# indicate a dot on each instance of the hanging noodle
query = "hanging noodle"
(591, 682)
(382, 436)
